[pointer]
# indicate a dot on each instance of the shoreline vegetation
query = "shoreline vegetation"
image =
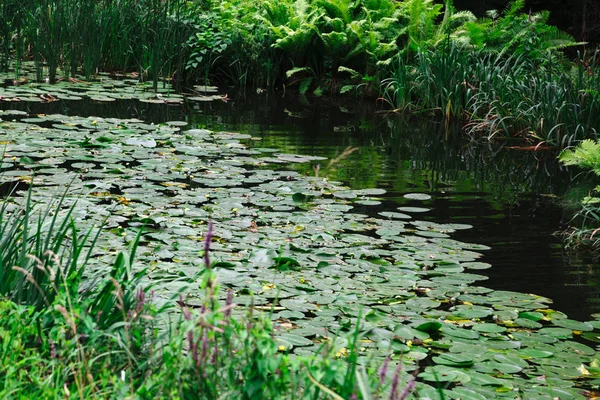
(62, 338)
(504, 75)
(70, 331)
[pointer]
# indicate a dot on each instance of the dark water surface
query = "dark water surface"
(508, 195)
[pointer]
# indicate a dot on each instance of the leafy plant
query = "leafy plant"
(515, 32)
(209, 42)
(207, 353)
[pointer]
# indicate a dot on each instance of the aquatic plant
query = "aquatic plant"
(545, 104)
(85, 36)
(499, 96)
(397, 89)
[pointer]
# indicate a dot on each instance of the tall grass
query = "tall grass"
(35, 240)
(84, 36)
(542, 103)
(442, 77)
(501, 96)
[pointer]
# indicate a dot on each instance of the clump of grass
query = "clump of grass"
(82, 37)
(42, 252)
(500, 96)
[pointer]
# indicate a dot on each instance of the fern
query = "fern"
(513, 32)
(460, 18)
(304, 84)
(422, 15)
(585, 155)
(514, 7)
(297, 70)
(353, 73)
(341, 9)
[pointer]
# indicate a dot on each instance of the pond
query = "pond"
(330, 214)
(508, 195)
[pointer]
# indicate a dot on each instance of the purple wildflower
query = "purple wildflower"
(408, 389)
(207, 241)
(204, 347)
(228, 303)
(395, 382)
(193, 348)
(383, 370)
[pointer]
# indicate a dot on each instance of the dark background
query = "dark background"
(579, 18)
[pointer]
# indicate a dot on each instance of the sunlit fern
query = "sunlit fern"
(585, 155)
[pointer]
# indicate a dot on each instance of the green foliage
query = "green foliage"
(208, 43)
(515, 32)
(353, 34)
(41, 252)
(293, 24)
(421, 30)
(504, 74)
(256, 42)
(397, 89)
(585, 155)
(71, 37)
(106, 340)
(499, 95)
(43, 258)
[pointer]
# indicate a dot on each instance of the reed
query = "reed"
(546, 104)
(397, 89)
(73, 37)
(500, 96)
(443, 80)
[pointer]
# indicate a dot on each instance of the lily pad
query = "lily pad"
(417, 196)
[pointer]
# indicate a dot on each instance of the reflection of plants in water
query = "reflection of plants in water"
(360, 167)
(581, 269)
(472, 165)
(334, 161)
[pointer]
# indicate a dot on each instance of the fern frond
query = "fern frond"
(514, 7)
(460, 17)
(297, 70)
(336, 9)
(586, 155)
(353, 73)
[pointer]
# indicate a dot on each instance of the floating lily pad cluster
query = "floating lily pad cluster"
(105, 89)
(296, 246)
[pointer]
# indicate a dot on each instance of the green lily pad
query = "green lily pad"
(430, 326)
(489, 328)
(454, 360)
(573, 325)
(534, 353)
(417, 196)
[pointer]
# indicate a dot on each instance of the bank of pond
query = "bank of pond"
(503, 75)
